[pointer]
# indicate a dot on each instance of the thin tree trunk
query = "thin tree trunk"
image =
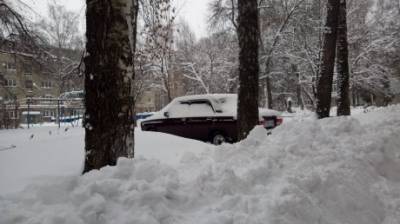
(342, 63)
(299, 96)
(109, 79)
(269, 92)
(324, 83)
(248, 67)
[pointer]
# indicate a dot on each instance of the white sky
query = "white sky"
(193, 11)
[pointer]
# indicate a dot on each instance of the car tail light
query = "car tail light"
(279, 121)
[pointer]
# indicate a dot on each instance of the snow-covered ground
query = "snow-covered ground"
(28, 156)
(331, 171)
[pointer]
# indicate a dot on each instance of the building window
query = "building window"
(48, 113)
(46, 85)
(28, 84)
(10, 66)
(11, 83)
(12, 114)
(28, 74)
(48, 96)
(9, 98)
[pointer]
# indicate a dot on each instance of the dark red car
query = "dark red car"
(209, 118)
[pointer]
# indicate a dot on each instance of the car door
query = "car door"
(201, 116)
(174, 121)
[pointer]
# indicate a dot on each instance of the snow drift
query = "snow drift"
(332, 171)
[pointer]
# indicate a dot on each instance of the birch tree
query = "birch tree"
(109, 72)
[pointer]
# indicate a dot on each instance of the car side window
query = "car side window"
(178, 110)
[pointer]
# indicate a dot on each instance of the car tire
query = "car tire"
(218, 138)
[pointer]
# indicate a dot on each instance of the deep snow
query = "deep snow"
(332, 171)
(28, 156)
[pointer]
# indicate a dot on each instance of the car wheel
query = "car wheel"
(218, 138)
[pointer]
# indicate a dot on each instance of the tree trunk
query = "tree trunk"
(342, 63)
(248, 67)
(300, 101)
(269, 92)
(111, 40)
(324, 85)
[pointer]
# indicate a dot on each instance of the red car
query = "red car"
(209, 118)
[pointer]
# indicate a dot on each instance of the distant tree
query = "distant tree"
(61, 28)
(61, 32)
(247, 114)
(210, 64)
(270, 46)
(342, 63)
(157, 43)
(224, 15)
(324, 85)
(109, 75)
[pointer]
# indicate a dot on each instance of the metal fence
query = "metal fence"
(36, 110)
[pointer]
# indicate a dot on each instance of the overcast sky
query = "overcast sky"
(193, 11)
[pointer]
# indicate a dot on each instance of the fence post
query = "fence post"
(58, 112)
(28, 119)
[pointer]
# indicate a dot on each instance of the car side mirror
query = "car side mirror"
(166, 114)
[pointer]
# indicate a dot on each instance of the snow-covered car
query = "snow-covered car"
(210, 118)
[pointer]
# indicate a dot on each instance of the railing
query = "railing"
(37, 109)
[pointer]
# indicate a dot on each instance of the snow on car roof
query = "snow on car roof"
(222, 104)
(205, 96)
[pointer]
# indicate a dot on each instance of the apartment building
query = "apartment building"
(24, 82)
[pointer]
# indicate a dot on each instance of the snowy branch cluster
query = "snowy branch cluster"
(291, 40)
(54, 43)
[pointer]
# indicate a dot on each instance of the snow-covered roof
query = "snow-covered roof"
(31, 113)
(73, 94)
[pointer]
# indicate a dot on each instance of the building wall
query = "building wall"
(30, 80)
(21, 77)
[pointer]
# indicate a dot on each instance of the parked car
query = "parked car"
(209, 118)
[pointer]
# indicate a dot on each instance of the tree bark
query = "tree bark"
(109, 75)
(324, 85)
(342, 63)
(270, 102)
(248, 67)
(299, 96)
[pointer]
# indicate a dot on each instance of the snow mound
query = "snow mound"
(331, 171)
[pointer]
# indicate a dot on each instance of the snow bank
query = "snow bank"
(29, 155)
(337, 170)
